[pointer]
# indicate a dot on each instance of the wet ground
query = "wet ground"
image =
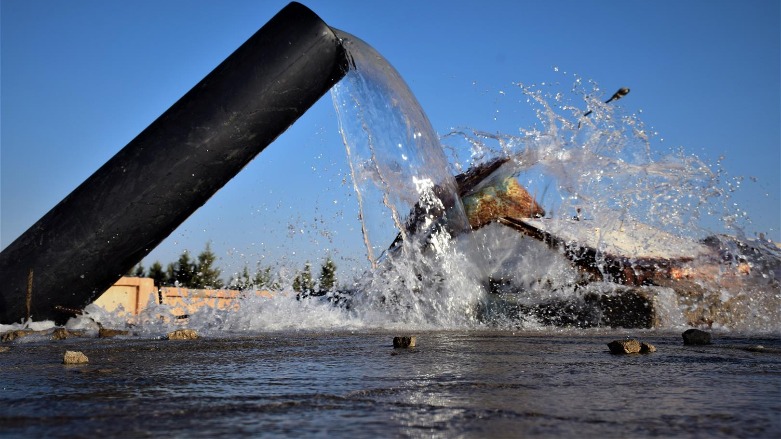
(452, 384)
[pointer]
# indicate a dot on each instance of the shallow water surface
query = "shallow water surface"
(453, 384)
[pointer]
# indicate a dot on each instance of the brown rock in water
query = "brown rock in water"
(630, 346)
(74, 357)
(695, 337)
(62, 334)
(404, 342)
(4, 349)
(647, 348)
(183, 334)
(108, 333)
(13, 335)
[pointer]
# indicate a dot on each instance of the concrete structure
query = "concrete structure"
(134, 294)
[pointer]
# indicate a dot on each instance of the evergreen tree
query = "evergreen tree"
(264, 280)
(156, 272)
(327, 276)
(136, 271)
(242, 281)
(170, 274)
(183, 271)
(206, 274)
(303, 283)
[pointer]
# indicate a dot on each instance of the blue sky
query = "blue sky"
(80, 79)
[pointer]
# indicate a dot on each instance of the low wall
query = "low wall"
(134, 294)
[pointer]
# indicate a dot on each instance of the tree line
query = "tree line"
(203, 273)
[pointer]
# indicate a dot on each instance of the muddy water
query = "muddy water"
(453, 384)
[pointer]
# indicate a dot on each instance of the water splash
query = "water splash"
(603, 167)
(395, 156)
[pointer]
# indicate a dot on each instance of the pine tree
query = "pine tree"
(136, 271)
(156, 272)
(303, 283)
(183, 271)
(242, 281)
(264, 280)
(206, 275)
(327, 276)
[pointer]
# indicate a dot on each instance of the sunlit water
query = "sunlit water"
(354, 384)
(321, 366)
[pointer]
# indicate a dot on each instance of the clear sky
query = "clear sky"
(81, 78)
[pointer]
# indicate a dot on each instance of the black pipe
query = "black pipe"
(128, 206)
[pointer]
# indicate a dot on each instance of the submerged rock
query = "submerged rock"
(13, 335)
(404, 342)
(630, 346)
(696, 337)
(647, 348)
(74, 357)
(62, 334)
(183, 334)
(4, 349)
(108, 333)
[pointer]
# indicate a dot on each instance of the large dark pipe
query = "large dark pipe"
(134, 201)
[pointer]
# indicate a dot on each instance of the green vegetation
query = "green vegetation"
(328, 275)
(303, 283)
(203, 273)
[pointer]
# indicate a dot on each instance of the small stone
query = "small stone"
(647, 348)
(183, 334)
(4, 349)
(13, 335)
(74, 357)
(62, 334)
(696, 337)
(630, 346)
(108, 333)
(404, 342)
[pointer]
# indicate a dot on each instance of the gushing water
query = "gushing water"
(582, 158)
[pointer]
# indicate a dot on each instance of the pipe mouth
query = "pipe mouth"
(347, 58)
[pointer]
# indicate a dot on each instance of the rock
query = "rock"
(404, 342)
(4, 349)
(13, 335)
(74, 357)
(696, 337)
(183, 334)
(62, 334)
(647, 348)
(630, 346)
(108, 333)
(504, 196)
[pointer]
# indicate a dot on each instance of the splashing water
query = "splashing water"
(395, 156)
(431, 271)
